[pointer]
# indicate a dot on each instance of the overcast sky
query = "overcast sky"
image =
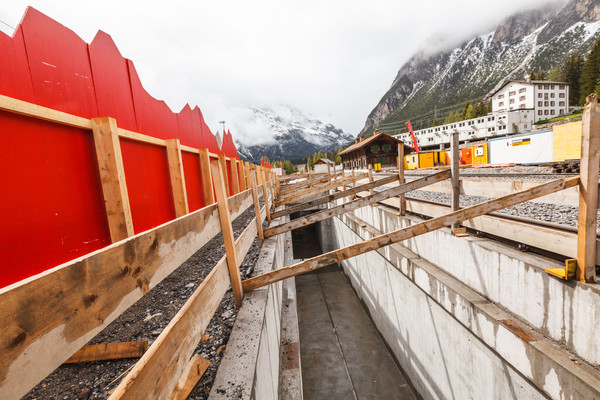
(331, 59)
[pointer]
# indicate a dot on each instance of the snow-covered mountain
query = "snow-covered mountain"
(432, 85)
(289, 134)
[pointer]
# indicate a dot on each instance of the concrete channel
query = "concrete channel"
(434, 317)
(343, 356)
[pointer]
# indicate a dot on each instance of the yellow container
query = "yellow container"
(566, 141)
(411, 161)
(426, 160)
(480, 154)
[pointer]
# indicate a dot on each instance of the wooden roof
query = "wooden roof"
(372, 139)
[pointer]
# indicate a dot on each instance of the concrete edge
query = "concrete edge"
(236, 375)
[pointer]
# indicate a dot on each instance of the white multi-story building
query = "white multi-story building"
(516, 106)
(547, 99)
(491, 125)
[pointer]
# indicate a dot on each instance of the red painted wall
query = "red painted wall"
(52, 208)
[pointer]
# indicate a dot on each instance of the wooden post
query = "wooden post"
(261, 237)
(247, 174)
(402, 206)
(207, 185)
(112, 178)
(370, 172)
(216, 167)
(272, 185)
(328, 168)
(241, 170)
(178, 192)
(223, 163)
(588, 192)
(235, 180)
(455, 179)
(265, 195)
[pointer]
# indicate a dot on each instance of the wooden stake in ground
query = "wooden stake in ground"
(402, 208)
(261, 238)
(370, 172)
(455, 179)
(207, 185)
(179, 194)
(588, 192)
(265, 193)
(407, 233)
(112, 178)
(232, 261)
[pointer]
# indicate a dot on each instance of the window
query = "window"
(539, 95)
(561, 103)
(545, 96)
(551, 112)
(552, 104)
(552, 95)
(386, 147)
(540, 112)
(500, 104)
(540, 103)
(500, 96)
(551, 87)
(545, 104)
(545, 112)
(522, 90)
(522, 98)
(512, 101)
(521, 105)
(561, 95)
(375, 148)
(561, 87)
(546, 87)
(512, 93)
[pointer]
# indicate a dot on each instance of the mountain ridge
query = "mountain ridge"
(538, 39)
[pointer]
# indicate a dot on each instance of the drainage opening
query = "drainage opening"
(305, 240)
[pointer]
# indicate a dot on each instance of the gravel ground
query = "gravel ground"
(146, 319)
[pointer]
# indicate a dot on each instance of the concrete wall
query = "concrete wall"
(250, 366)
(469, 318)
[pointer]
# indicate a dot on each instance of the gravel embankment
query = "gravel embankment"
(147, 318)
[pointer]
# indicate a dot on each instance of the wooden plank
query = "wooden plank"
(207, 185)
(370, 172)
(235, 180)
(221, 160)
(271, 179)
(455, 179)
(588, 192)
(256, 208)
(247, 175)
(317, 190)
(353, 205)
(265, 193)
(109, 351)
(157, 373)
(406, 233)
(239, 203)
(112, 178)
(45, 319)
(334, 196)
(402, 208)
(44, 113)
(190, 377)
(232, 260)
(180, 201)
(241, 173)
(189, 149)
(139, 137)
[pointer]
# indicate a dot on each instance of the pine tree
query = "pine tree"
(590, 73)
(465, 109)
(470, 112)
(571, 73)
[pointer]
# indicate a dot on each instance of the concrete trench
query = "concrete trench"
(435, 317)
